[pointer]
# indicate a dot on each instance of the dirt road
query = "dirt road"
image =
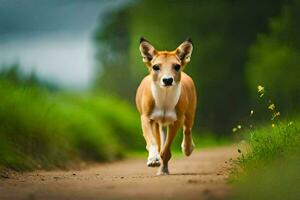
(203, 175)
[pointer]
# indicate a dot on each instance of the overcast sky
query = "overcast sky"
(53, 37)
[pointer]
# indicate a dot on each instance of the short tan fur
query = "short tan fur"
(166, 98)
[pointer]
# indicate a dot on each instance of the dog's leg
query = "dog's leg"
(152, 147)
(162, 136)
(166, 151)
(187, 144)
(156, 133)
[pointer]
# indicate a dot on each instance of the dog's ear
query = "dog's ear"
(147, 50)
(184, 51)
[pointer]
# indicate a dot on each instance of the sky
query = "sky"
(53, 38)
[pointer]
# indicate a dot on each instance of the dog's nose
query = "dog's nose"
(167, 81)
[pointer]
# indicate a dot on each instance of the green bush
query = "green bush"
(40, 129)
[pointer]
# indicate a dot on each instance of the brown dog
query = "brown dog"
(166, 98)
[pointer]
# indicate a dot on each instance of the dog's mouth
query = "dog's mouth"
(166, 86)
(162, 85)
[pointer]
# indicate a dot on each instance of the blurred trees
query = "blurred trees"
(16, 76)
(222, 32)
(275, 59)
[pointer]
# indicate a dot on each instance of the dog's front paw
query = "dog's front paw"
(153, 158)
(153, 162)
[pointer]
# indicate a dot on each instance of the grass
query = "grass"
(269, 169)
(42, 129)
(268, 143)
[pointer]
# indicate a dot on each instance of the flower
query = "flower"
(275, 115)
(239, 126)
(251, 112)
(260, 89)
(271, 106)
(234, 130)
(273, 125)
(290, 123)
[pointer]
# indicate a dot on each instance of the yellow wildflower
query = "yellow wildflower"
(234, 129)
(239, 126)
(275, 115)
(260, 89)
(271, 106)
(273, 125)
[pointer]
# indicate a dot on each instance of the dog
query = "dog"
(166, 99)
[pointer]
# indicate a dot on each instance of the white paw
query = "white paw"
(153, 158)
(153, 162)
(163, 170)
(187, 149)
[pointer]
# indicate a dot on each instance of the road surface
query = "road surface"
(203, 175)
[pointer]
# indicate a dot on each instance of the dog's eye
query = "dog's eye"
(177, 67)
(155, 67)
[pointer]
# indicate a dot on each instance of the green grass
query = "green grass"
(41, 129)
(268, 143)
(269, 169)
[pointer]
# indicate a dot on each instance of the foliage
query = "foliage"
(272, 142)
(275, 57)
(39, 129)
(14, 74)
(270, 169)
(271, 149)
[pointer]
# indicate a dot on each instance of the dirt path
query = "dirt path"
(201, 176)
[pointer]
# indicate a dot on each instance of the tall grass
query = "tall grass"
(269, 143)
(269, 167)
(40, 129)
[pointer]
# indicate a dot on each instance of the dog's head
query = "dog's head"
(165, 66)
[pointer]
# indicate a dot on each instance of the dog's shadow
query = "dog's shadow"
(190, 174)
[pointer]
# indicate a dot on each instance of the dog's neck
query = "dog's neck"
(166, 98)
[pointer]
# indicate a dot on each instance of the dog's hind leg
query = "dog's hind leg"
(187, 144)
(165, 153)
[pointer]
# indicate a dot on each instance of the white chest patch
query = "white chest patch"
(165, 101)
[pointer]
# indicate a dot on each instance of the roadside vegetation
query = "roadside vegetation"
(40, 128)
(269, 169)
(268, 165)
